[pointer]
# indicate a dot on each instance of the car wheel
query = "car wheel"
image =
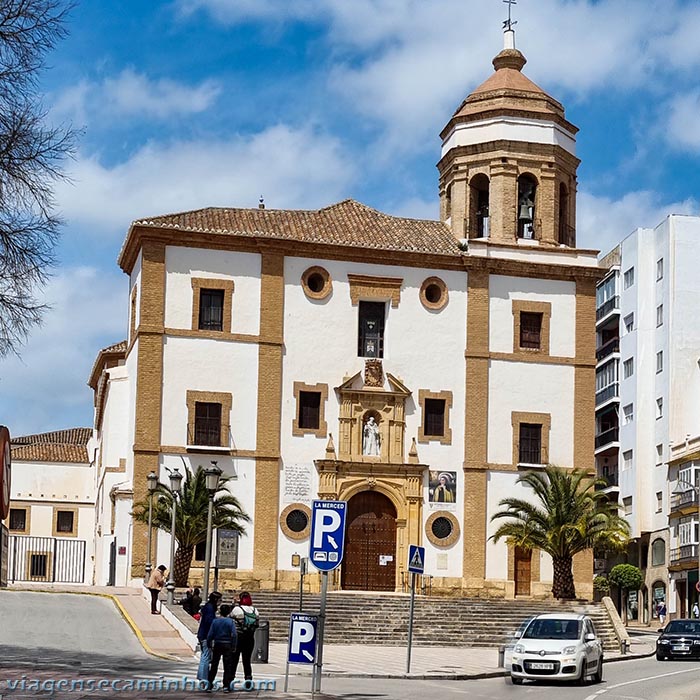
(660, 657)
(581, 680)
(598, 675)
(516, 681)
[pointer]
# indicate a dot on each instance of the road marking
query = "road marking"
(640, 680)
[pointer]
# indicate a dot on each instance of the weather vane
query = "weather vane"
(509, 23)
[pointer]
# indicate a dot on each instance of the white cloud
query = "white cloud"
(681, 123)
(46, 388)
(134, 94)
(603, 222)
(291, 169)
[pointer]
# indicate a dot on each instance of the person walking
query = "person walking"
(208, 613)
(222, 641)
(247, 618)
(696, 610)
(662, 612)
(155, 586)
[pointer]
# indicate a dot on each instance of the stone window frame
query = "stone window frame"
(375, 288)
(28, 564)
(446, 438)
(297, 536)
(54, 521)
(444, 294)
(221, 397)
(322, 429)
(214, 283)
(538, 307)
(453, 537)
(543, 419)
(27, 520)
(327, 282)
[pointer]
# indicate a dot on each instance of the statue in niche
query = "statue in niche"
(371, 439)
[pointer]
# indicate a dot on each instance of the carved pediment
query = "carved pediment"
(372, 416)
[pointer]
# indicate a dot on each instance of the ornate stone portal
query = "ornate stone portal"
(388, 473)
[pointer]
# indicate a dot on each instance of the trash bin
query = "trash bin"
(261, 650)
(501, 656)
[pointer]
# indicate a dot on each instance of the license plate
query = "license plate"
(539, 666)
(681, 648)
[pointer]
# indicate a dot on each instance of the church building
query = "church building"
(412, 368)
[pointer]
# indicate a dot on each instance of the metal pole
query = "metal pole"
(207, 551)
(301, 584)
(318, 665)
(410, 621)
(170, 585)
(149, 563)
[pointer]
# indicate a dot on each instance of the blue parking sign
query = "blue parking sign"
(327, 534)
(302, 638)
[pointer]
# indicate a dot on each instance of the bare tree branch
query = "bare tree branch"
(31, 158)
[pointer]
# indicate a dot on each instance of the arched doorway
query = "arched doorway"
(369, 562)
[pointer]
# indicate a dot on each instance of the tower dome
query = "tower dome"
(508, 166)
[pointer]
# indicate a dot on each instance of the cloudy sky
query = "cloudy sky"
(195, 103)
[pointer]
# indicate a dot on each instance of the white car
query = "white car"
(557, 647)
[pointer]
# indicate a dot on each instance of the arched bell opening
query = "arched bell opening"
(527, 212)
(479, 203)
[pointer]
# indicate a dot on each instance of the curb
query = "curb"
(122, 611)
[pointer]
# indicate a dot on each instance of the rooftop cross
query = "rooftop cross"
(509, 23)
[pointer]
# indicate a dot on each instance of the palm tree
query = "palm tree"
(570, 517)
(191, 516)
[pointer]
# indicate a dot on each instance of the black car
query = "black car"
(678, 640)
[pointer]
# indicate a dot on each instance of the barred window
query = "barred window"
(211, 309)
(18, 519)
(434, 417)
(530, 444)
(207, 424)
(309, 409)
(64, 520)
(371, 330)
(530, 330)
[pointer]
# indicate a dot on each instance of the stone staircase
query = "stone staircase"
(382, 618)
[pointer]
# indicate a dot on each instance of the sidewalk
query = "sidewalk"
(454, 663)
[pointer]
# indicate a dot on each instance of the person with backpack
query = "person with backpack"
(247, 618)
(208, 613)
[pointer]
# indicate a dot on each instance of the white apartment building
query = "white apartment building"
(648, 401)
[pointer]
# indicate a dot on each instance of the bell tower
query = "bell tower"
(508, 164)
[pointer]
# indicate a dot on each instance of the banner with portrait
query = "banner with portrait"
(442, 488)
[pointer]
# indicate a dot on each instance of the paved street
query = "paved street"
(47, 637)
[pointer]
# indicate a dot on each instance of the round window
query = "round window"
(316, 282)
(442, 528)
(297, 520)
(433, 293)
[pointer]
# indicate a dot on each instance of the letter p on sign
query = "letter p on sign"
(328, 521)
(302, 633)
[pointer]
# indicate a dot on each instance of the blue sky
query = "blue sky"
(195, 103)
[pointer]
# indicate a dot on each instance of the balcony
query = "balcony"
(687, 554)
(609, 392)
(607, 307)
(685, 502)
(606, 437)
(208, 435)
(608, 349)
(608, 482)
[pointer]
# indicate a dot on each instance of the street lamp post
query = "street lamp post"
(212, 475)
(152, 479)
(696, 488)
(175, 482)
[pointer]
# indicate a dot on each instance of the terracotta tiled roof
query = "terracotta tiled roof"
(58, 446)
(115, 349)
(348, 223)
(49, 452)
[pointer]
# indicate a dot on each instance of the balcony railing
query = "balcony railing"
(607, 480)
(608, 349)
(686, 553)
(608, 306)
(607, 393)
(681, 500)
(606, 437)
(208, 433)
